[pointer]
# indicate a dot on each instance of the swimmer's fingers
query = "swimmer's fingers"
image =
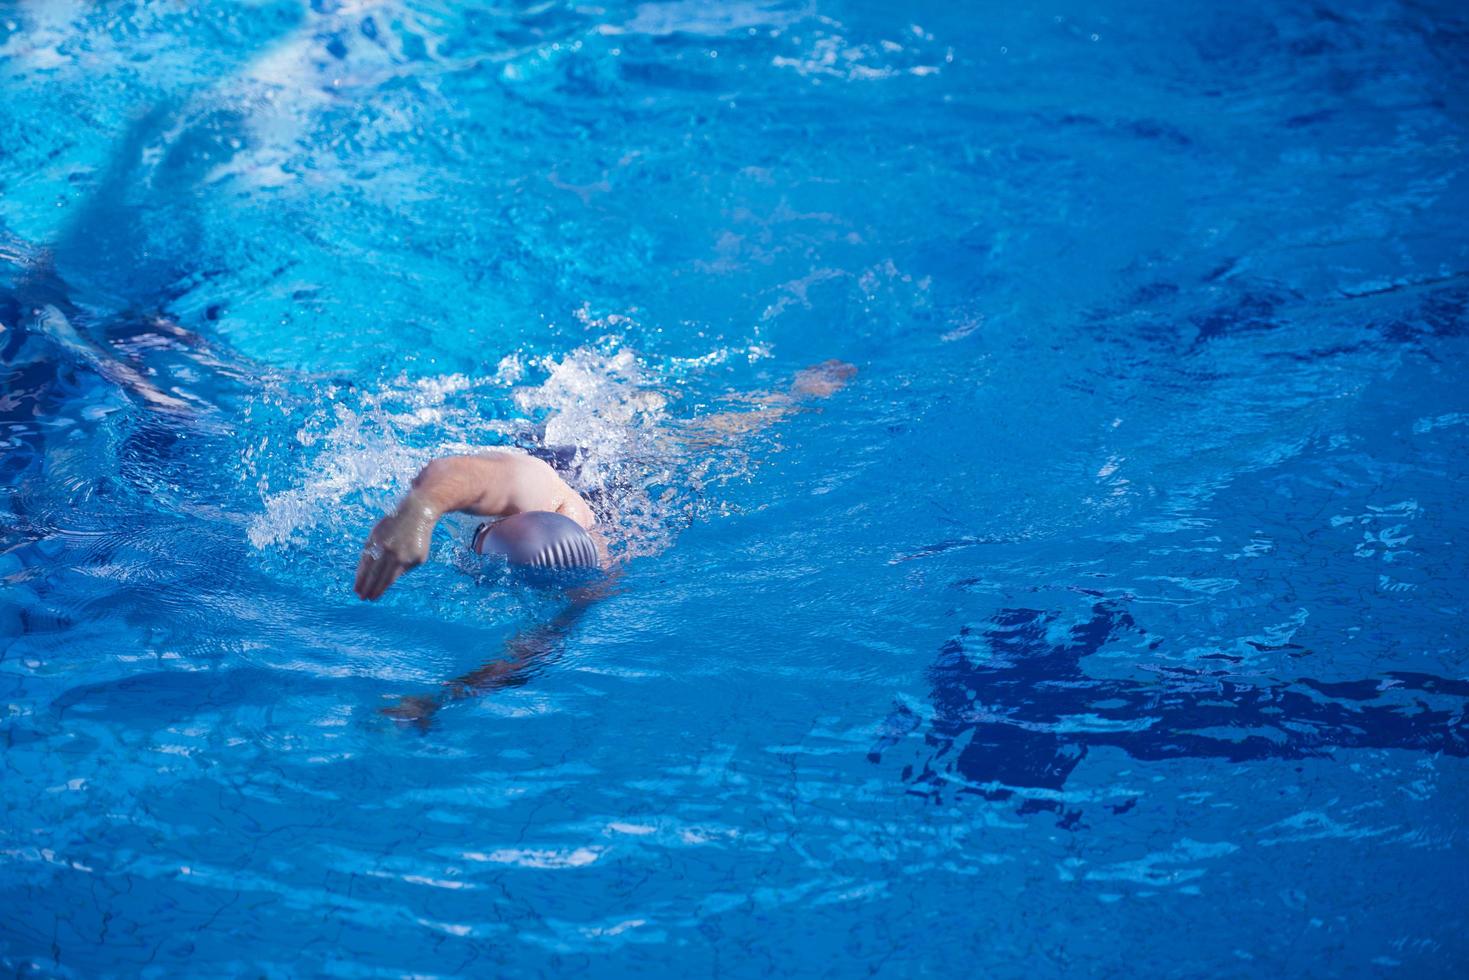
(368, 569)
(383, 573)
(389, 574)
(360, 582)
(364, 569)
(373, 587)
(375, 572)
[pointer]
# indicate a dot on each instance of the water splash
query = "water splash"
(604, 408)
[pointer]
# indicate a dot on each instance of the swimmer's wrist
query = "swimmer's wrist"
(420, 508)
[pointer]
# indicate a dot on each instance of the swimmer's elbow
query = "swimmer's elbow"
(431, 473)
(435, 480)
(459, 483)
(494, 484)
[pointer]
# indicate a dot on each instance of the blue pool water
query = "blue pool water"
(1110, 621)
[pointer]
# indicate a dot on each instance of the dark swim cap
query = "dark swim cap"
(538, 539)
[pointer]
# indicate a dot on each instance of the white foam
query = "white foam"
(361, 449)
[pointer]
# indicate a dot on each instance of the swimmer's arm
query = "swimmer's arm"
(819, 381)
(523, 652)
(492, 485)
(497, 485)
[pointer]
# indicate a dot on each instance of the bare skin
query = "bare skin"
(819, 381)
(496, 484)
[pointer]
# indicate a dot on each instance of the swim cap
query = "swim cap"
(538, 539)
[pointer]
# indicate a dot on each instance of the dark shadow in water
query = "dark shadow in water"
(525, 654)
(1013, 709)
(84, 319)
(91, 364)
(54, 350)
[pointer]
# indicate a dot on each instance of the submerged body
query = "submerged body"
(537, 520)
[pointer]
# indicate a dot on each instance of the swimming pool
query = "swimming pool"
(1110, 621)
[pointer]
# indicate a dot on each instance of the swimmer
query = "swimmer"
(535, 518)
(521, 489)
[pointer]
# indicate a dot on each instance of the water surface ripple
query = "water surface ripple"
(1110, 621)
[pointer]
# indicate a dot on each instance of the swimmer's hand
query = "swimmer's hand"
(822, 380)
(724, 428)
(397, 544)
